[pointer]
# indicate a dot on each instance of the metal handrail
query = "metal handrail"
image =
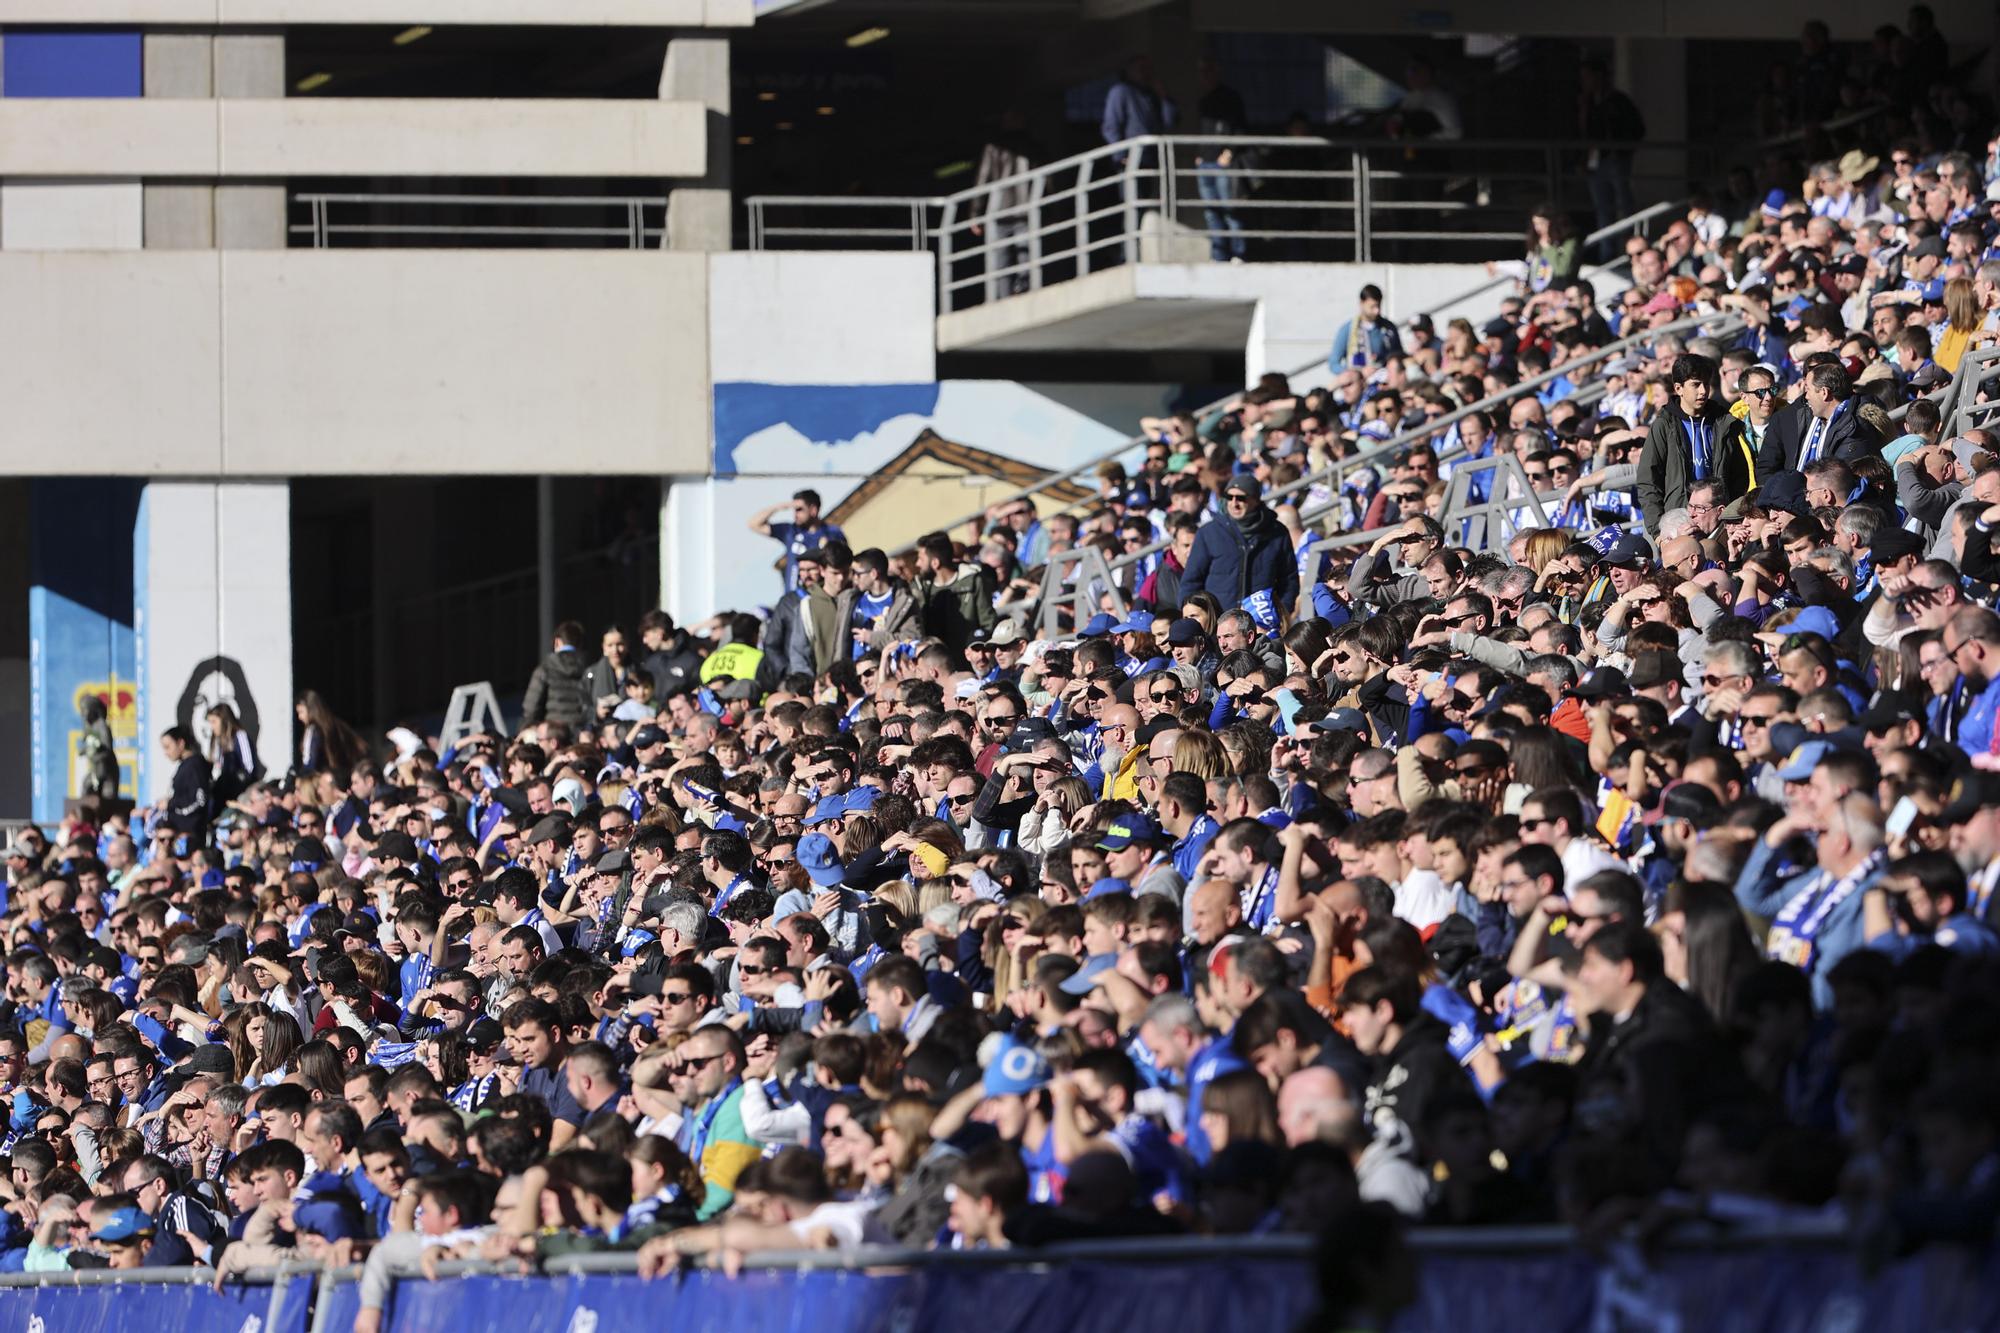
(321, 227)
(1090, 464)
(1149, 175)
(1711, 323)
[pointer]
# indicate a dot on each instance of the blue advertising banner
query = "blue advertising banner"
(183, 1307)
(1545, 1285)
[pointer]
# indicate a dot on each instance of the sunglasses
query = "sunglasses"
(694, 1064)
(676, 997)
(1527, 824)
(1760, 393)
(1755, 719)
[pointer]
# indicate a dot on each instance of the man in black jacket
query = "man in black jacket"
(555, 691)
(1383, 1009)
(1652, 1057)
(1828, 427)
(672, 659)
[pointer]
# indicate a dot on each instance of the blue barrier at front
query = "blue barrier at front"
(161, 1307)
(1493, 1282)
(1079, 1296)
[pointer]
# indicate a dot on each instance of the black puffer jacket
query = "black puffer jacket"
(555, 691)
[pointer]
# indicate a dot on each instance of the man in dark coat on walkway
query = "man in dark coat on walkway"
(1243, 550)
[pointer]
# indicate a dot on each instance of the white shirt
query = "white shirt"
(1424, 899)
(1584, 857)
(850, 1224)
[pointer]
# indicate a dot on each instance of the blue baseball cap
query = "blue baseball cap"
(860, 801)
(821, 859)
(1107, 886)
(826, 810)
(1098, 626)
(1184, 631)
(1139, 622)
(324, 1217)
(126, 1223)
(1015, 1069)
(1800, 765)
(1815, 620)
(1128, 829)
(1084, 980)
(635, 941)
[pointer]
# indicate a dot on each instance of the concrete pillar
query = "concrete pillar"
(207, 217)
(1653, 73)
(250, 217)
(212, 594)
(180, 217)
(698, 212)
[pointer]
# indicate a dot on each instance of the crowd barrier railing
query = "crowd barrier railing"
(1795, 1275)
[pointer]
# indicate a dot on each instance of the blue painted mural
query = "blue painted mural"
(80, 630)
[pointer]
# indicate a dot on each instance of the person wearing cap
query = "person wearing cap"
(122, 1233)
(1136, 851)
(1691, 440)
(1243, 550)
(802, 634)
(1658, 675)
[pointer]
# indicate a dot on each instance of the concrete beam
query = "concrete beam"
(214, 13)
(280, 363)
(281, 137)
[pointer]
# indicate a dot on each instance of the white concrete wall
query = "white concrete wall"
(47, 215)
(328, 136)
(566, 13)
(1295, 322)
(777, 318)
(359, 362)
(795, 317)
(212, 579)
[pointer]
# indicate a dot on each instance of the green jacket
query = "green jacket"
(1666, 463)
(952, 611)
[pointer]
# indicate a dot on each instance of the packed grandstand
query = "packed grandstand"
(1549, 773)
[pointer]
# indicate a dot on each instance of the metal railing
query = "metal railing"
(1335, 471)
(1638, 222)
(629, 221)
(1173, 197)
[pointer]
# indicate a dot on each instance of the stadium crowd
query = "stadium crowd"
(1645, 867)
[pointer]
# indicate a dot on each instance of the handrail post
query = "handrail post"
(1169, 206)
(319, 224)
(945, 232)
(1081, 210)
(1364, 209)
(1130, 184)
(1034, 283)
(919, 242)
